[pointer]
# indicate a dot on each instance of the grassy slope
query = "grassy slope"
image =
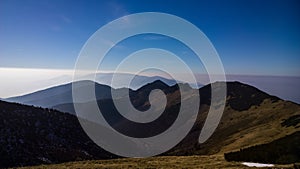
(241, 129)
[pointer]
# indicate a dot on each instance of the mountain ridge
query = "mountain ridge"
(60, 92)
(262, 121)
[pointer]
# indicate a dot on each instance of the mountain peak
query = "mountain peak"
(157, 84)
(240, 96)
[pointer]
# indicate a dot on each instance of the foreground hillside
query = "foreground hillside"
(32, 136)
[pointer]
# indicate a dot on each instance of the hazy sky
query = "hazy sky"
(251, 37)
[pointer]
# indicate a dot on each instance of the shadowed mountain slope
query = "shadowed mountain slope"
(285, 150)
(32, 136)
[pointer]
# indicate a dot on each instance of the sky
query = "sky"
(252, 37)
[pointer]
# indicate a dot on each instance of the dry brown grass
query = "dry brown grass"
(214, 161)
(266, 122)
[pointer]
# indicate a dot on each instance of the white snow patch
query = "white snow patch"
(44, 159)
(249, 164)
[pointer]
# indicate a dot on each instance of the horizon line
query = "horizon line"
(145, 74)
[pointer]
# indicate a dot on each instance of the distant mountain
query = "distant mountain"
(137, 82)
(251, 117)
(139, 97)
(62, 94)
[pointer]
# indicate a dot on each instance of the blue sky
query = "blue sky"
(251, 37)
